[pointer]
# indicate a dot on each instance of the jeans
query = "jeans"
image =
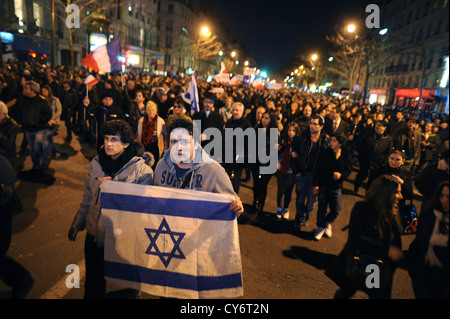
(286, 184)
(50, 145)
(331, 198)
(37, 141)
(304, 190)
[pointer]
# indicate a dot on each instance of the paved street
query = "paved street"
(278, 263)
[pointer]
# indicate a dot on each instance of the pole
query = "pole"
(53, 36)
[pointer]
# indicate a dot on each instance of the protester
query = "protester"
(12, 273)
(119, 159)
(186, 165)
(306, 151)
(375, 230)
(334, 165)
(429, 143)
(8, 134)
(55, 105)
(236, 151)
(69, 104)
(35, 113)
(151, 131)
(260, 181)
(285, 174)
(208, 117)
(373, 152)
(428, 254)
(409, 140)
(137, 109)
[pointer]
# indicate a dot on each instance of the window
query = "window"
(169, 25)
(170, 8)
(168, 42)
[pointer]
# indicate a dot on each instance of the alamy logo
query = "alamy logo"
(73, 279)
(373, 19)
(73, 17)
(373, 276)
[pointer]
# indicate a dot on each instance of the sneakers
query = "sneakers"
(328, 232)
(319, 233)
(286, 213)
(279, 213)
(323, 231)
(282, 213)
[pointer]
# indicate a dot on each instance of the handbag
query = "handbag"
(356, 267)
(408, 215)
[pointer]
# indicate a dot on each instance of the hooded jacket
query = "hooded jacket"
(136, 171)
(205, 175)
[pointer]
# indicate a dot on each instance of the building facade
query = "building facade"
(417, 75)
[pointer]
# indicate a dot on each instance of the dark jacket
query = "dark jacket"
(240, 148)
(342, 129)
(327, 164)
(302, 146)
(409, 142)
(35, 113)
(375, 149)
(8, 133)
(213, 120)
(428, 151)
(363, 236)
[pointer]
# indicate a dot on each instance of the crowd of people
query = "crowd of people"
(321, 139)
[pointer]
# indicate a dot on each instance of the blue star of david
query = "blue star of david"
(153, 248)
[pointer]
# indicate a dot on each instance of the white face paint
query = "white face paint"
(181, 146)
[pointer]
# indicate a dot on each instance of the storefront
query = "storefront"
(31, 48)
(411, 98)
(378, 96)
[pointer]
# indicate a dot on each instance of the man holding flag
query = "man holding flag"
(172, 242)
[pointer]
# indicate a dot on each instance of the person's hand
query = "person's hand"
(336, 175)
(86, 101)
(72, 234)
(395, 253)
(294, 154)
(101, 179)
(236, 206)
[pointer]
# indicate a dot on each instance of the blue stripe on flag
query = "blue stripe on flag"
(170, 279)
(167, 206)
(113, 49)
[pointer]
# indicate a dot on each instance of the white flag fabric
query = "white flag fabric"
(171, 242)
(223, 69)
(191, 96)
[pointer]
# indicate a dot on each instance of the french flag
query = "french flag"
(104, 59)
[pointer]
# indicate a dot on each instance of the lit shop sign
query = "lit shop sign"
(96, 40)
(133, 59)
(7, 37)
(444, 79)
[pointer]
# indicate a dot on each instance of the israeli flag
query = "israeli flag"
(171, 242)
(191, 96)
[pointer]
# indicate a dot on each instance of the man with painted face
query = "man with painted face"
(188, 166)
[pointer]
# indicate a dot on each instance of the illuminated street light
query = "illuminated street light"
(233, 54)
(205, 31)
(383, 31)
(314, 57)
(220, 53)
(246, 63)
(237, 62)
(330, 59)
(351, 28)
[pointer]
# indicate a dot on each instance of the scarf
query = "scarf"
(148, 129)
(111, 166)
(285, 163)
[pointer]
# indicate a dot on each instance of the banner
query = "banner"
(171, 242)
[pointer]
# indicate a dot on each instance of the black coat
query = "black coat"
(213, 120)
(342, 129)
(327, 164)
(35, 113)
(363, 236)
(243, 148)
(302, 146)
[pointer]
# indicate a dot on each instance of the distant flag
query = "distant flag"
(90, 81)
(223, 69)
(191, 96)
(105, 58)
(171, 242)
(258, 83)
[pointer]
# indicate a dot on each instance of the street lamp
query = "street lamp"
(314, 57)
(205, 31)
(233, 54)
(351, 28)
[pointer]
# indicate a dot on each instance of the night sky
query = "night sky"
(276, 31)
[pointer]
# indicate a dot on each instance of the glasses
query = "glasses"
(177, 106)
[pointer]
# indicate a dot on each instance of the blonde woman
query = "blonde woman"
(151, 131)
